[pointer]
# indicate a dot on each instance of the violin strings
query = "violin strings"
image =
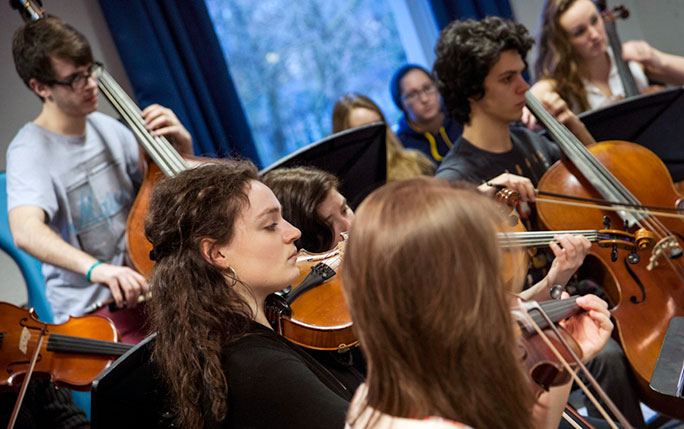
(69, 344)
(539, 238)
(556, 310)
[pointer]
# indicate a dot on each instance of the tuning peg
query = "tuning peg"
(633, 258)
(606, 222)
(614, 253)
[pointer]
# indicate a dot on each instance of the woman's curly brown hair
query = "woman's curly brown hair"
(466, 52)
(195, 308)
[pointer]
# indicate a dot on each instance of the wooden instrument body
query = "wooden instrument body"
(137, 245)
(642, 313)
(73, 370)
(515, 261)
(319, 317)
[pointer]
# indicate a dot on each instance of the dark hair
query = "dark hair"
(466, 52)
(558, 61)
(35, 42)
(431, 310)
(195, 308)
(300, 190)
(395, 83)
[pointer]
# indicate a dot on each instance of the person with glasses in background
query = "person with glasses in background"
(424, 126)
(72, 176)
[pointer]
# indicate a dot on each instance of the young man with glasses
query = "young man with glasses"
(424, 126)
(72, 175)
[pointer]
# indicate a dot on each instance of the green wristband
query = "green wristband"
(90, 270)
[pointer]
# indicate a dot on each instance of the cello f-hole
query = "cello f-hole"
(633, 299)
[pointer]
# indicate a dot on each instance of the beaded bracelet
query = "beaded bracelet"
(90, 270)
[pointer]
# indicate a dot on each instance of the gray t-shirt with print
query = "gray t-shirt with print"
(86, 186)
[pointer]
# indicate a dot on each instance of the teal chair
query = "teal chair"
(28, 265)
(35, 282)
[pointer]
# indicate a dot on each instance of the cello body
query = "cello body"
(643, 301)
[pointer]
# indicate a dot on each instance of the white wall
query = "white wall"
(18, 105)
(657, 22)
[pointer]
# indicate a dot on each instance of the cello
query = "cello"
(610, 17)
(646, 293)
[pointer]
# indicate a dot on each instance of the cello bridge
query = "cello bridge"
(662, 248)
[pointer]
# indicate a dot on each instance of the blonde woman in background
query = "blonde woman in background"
(354, 110)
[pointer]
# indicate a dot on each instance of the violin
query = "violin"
(551, 356)
(644, 294)
(517, 237)
(544, 369)
(313, 314)
(72, 354)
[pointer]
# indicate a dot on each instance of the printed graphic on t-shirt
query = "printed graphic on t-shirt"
(99, 203)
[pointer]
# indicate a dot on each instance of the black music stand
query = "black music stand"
(651, 120)
(668, 374)
(358, 157)
(129, 393)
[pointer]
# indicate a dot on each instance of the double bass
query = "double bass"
(644, 293)
(166, 159)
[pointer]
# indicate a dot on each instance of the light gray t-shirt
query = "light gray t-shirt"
(85, 185)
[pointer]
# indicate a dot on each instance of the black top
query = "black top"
(273, 383)
(531, 155)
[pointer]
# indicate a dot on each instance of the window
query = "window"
(291, 61)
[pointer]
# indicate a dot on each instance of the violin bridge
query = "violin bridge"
(24, 340)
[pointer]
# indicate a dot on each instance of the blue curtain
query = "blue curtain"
(173, 57)
(449, 10)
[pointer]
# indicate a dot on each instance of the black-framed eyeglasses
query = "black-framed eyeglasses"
(429, 89)
(79, 81)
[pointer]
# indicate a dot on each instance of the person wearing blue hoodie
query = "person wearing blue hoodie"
(424, 126)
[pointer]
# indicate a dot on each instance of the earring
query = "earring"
(233, 275)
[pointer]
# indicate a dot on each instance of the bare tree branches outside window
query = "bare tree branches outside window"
(292, 60)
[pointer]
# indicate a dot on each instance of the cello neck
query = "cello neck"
(162, 152)
(625, 73)
(598, 176)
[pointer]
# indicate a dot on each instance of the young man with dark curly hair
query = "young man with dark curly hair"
(479, 73)
(479, 70)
